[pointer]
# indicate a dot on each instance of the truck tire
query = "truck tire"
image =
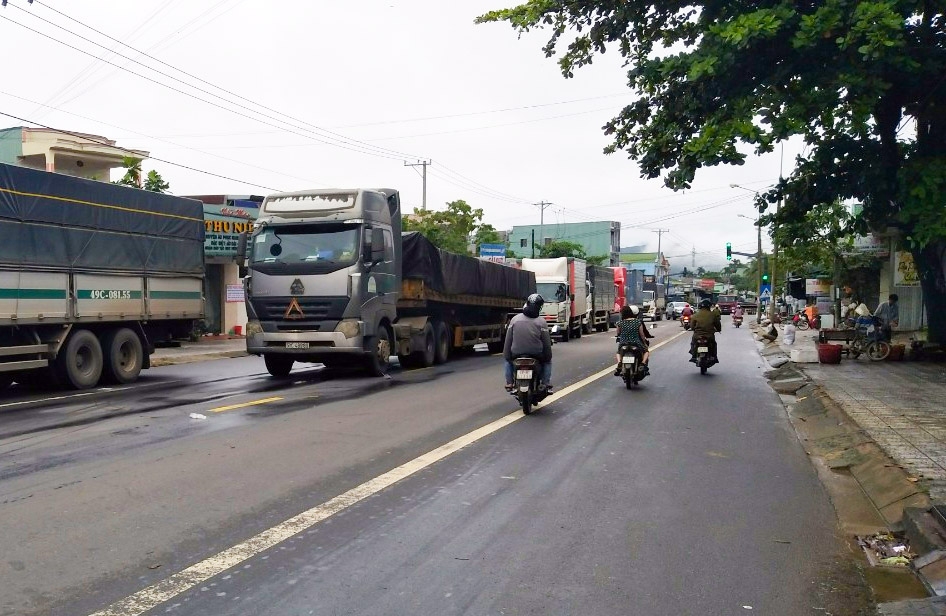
(79, 363)
(578, 330)
(124, 356)
(278, 366)
(426, 354)
(5, 381)
(379, 347)
(442, 340)
(566, 333)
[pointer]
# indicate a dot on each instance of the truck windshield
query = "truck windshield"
(333, 244)
(729, 299)
(648, 296)
(551, 291)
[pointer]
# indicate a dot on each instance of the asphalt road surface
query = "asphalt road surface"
(426, 492)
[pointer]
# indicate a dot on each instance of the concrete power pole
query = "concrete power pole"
(542, 205)
(423, 164)
(660, 233)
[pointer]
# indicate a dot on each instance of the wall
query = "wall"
(11, 145)
(595, 238)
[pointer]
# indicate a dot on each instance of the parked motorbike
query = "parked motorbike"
(632, 364)
(801, 322)
(685, 322)
(527, 390)
(703, 358)
(736, 321)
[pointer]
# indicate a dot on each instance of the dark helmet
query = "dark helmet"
(705, 302)
(533, 305)
(627, 312)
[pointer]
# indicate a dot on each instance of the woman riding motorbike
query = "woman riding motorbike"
(632, 331)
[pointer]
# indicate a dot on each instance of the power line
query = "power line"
(130, 151)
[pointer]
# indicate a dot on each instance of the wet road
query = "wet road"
(689, 495)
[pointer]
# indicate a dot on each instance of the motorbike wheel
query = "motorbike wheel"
(703, 369)
(878, 350)
(627, 378)
(525, 399)
(802, 324)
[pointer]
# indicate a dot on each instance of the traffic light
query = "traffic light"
(728, 251)
(765, 278)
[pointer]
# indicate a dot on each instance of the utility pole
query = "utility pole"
(422, 163)
(778, 206)
(693, 258)
(542, 205)
(659, 261)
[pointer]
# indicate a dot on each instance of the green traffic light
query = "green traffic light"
(765, 277)
(728, 251)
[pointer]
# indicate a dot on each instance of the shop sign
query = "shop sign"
(817, 287)
(493, 252)
(235, 293)
(222, 228)
(871, 245)
(905, 274)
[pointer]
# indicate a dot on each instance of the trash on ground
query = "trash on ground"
(886, 549)
(197, 416)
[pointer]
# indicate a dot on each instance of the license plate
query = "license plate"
(524, 374)
(628, 360)
(702, 349)
(297, 345)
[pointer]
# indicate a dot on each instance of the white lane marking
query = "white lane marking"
(156, 594)
(67, 397)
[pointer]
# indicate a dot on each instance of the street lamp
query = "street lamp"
(758, 254)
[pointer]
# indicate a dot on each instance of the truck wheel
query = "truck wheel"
(427, 353)
(278, 366)
(5, 381)
(124, 356)
(79, 363)
(566, 333)
(578, 330)
(442, 337)
(379, 348)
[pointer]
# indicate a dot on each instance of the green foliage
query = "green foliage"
(451, 229)
(599, 260)
(132, 175)
(155, 183)
(562, 248)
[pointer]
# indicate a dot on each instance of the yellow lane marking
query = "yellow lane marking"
(178, 583)
(221, 409)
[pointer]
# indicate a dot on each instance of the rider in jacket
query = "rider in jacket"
(528, 335)
(632, 331)
(706, 323)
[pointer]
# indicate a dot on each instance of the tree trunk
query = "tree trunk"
(931, 267)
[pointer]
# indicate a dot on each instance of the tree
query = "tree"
(155, 183)
(450, 229)
(848, 77)
(561, 248)
(486, 234)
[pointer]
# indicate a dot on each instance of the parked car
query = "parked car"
(675, 308)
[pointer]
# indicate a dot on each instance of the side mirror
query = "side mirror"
(241, 248)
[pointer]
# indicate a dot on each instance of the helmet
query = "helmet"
(627, 312)
(533, 305)
(705, 302)
(635, 310)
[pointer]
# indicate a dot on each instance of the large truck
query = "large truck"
(330, 279)
(92, 275)
(635, 288)
(654, 299)
(620, 293)
(601, 304)
(562, 283)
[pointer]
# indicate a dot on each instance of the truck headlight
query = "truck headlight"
(253, 327)
(349, 327)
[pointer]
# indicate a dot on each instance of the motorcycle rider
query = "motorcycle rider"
(528, 335)
(737, 311)
(705, 322)
(632, 331)
(687, 311)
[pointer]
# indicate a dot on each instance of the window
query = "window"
(388, 245)
(523, 242)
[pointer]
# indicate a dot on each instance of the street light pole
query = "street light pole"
(758, 254)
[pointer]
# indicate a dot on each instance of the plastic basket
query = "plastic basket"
(829, 353)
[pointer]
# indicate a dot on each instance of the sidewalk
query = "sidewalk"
(882, 424)
(209, 347)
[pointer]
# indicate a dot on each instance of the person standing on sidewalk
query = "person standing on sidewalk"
(889, 315)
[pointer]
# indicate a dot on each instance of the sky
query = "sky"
(241, 97)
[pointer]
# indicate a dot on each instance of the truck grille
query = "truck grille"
(324, 308)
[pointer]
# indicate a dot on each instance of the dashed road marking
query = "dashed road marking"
(221, 409)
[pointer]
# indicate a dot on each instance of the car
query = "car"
(675, 308)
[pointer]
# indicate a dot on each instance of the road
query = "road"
(689, 495)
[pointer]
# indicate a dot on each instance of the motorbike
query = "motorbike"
(703, 358)
(527, 390)
(685, 321)
(736, 321)
(801, 322)
(632, 364)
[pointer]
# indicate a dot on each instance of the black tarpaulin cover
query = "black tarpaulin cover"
(454, 274)
(60, 222)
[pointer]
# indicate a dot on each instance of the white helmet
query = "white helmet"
(635, 311)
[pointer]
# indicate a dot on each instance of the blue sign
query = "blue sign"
(493, 252)
(766, 293)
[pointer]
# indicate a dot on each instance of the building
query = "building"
(79, 154)
(225, 218)
(601, 238)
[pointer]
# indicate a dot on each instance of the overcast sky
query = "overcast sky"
(326, 93)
